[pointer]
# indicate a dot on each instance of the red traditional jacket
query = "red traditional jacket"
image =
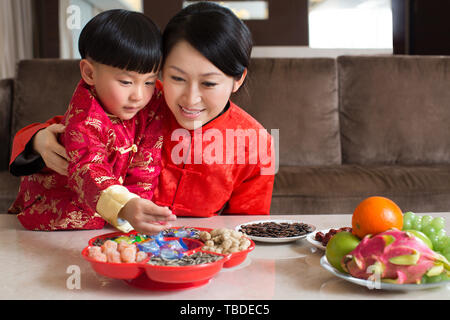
(231, 185)
(219, 168)
(111, 161)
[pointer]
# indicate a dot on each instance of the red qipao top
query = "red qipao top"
(226, 166)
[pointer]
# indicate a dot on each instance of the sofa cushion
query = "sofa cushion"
(8, 190)
(36, 98)
(339, 189)
(394, 109)
(298, 97)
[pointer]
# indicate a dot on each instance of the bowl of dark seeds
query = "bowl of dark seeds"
(276, 231)
(194, 267)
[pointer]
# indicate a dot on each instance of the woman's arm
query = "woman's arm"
(36, 146)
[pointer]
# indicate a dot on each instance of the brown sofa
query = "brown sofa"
(349, 127)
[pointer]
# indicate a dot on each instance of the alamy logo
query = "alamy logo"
(234, 146)
(73, 20)
(74, 279)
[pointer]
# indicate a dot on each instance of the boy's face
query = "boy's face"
(122, 93)
(195, 90)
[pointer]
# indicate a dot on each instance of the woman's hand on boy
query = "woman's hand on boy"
(46, 143)
(146, 217)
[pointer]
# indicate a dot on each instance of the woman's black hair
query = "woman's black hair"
(123, 39)
(215, 32)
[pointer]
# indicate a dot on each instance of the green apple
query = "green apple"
(341, 244)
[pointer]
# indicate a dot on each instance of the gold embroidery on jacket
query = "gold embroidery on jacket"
(75, 218)
(150, 169)
(151, 115)
(41, 206)
(74, 156)
(78, 187)
(98, 158)
(76, 136)
(114, 119)
(26, 196)
(47, 181)
(103, 179)
(68, 114)
(124, 150)
(159, 143)
(147, 159)
(96, 123)
(111, 140)
(145, 186)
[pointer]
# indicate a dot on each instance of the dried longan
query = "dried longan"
(205, 235)
(224, 240)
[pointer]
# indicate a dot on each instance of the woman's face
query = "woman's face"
(195, 90)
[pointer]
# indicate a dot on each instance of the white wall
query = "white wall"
(304, 52)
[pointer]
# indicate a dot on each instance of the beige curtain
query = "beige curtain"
(16, 35)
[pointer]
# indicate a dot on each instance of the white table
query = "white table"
(38, 265)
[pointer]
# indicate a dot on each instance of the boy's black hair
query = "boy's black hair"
(215, 32)
(123, 39)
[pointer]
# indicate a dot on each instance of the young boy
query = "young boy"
(113, 136)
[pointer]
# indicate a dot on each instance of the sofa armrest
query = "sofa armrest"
(6, 101)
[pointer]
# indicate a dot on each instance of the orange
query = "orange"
(374, 215)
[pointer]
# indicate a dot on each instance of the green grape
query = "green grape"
(434, 240)
(446, 245)
(429, 230)
(426, 220)
(409, 216)
(441, 233)
(438, 223)
(407, 224)
(447, 255)
(438, 247)
(417, 223)
(441, 242)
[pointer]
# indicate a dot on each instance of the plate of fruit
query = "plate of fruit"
(375, 283)
(385, 249)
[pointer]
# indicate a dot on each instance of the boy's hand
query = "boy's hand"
(45, 142)
(146, 217)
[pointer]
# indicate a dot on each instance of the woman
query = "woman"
(206, 168)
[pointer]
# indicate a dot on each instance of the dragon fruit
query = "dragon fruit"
(394, 256)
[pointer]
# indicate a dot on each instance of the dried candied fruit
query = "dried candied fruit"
(113, 252)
